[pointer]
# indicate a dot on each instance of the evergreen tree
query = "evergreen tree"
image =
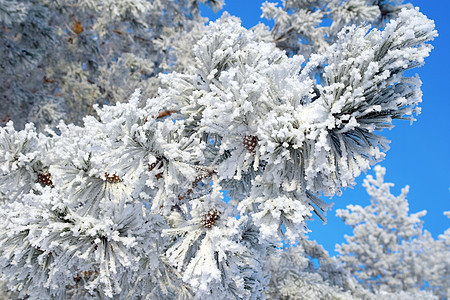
(389, 256)
(389, 250)
(129, 204)
(306, 271)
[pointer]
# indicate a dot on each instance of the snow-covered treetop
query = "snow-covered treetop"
(389, 256)
(389, 250)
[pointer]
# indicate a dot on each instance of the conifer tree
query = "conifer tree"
(389, 250)
(129, 204)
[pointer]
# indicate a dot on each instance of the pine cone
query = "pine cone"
(112, 179)
(250, 142)
(210, 218)
(45, 179)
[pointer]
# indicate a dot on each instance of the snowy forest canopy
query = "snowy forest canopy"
(143, 116)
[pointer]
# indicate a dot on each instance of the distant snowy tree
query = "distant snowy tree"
(389, 256)
(307, 272)
(389, 250)
(129, 205)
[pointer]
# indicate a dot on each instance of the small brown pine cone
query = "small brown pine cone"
(45, 179)
(250, 142)
(112, 179)
(210, 218)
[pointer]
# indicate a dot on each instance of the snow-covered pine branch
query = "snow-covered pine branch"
(303, 144)
(311, 26)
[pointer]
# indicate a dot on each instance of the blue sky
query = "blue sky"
(419, 154)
